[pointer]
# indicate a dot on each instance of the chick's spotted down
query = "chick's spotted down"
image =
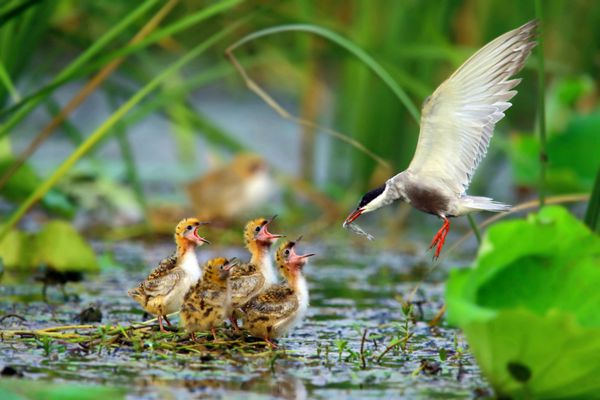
(162, 292)
(248, 279)
(208, 303)
(280, 307)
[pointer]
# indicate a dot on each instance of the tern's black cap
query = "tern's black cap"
(367, 198)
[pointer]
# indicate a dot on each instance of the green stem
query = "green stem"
(542, 107)
(106, 126)
(8, 83)
(592, 214)
(87, 55)
(475, 228)
(346, 44)
(130, 168)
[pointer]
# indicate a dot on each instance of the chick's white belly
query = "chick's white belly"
(283, 327)
(174, 300)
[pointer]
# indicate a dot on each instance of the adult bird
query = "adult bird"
(457, 122)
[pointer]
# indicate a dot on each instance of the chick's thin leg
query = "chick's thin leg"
(233, 320)
(270, 343)
(193, 337)
(166, 319)
(162, 328)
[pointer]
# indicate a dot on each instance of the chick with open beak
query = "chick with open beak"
(249, 279)
(280, 307)
(258, 241)
(162, 292)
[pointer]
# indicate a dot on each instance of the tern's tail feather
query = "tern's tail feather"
(475, 203)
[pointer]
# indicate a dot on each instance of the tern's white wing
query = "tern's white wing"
(458, 119)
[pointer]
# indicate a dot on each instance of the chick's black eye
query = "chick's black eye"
(189, 228)
(257, 229)
(287, 252)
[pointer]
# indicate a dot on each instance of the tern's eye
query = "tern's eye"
(189, 227)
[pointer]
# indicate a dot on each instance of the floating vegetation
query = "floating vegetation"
(545, 288)
(360, 335)
(136, 338)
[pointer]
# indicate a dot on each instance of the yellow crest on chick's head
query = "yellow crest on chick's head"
(186, 234)
(186, 224)
(216, 269)
(252, 228)
(283, 252)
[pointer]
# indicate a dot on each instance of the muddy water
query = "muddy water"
(350, 293)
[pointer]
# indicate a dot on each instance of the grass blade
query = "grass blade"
(347, 45)
(83, 94)
(128, 49)
(8, 13)
(592, 214)
(541, 101)
(107, 125)
(130, 167)
(8, 83)
(78, 63)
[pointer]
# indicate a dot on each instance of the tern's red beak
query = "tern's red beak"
(355, 214)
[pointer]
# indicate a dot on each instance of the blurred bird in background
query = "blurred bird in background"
(233, 190)
(222, 196)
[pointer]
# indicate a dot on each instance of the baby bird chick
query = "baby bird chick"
(275, 311)
(208, 303)
(162, 292)
(250, 278)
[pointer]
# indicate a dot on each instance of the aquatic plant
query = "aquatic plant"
(528, 306)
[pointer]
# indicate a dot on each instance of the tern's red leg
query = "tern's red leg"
(166, 319)
(440, 238)
(162, 328)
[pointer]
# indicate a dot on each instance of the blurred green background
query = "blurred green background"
(146, 119)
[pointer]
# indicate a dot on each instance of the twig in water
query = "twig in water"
(392, 345)
(362, 350)
(270, 101)
(12, 316)
(436, 320)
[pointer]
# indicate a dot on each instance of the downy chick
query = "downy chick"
(275, 311)
(249, 279)
(162, 292)
(208, 303)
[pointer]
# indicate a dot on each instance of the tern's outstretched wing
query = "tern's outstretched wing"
(458, 119)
